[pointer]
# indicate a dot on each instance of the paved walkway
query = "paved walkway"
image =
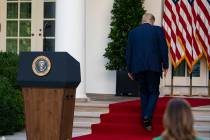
(16, 136)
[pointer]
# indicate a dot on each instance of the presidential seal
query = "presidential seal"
(41, 65)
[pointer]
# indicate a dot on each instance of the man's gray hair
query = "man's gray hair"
(148, 18)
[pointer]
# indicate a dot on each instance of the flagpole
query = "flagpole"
(191, 84)
(172, 81)
(209, 85)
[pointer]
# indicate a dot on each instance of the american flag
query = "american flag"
(192, 28)
(170, 25)
(203, 27)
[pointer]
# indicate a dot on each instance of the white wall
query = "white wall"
(154, 7)
(98, 18)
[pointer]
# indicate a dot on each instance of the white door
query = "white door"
(27, 25)
(182, 77)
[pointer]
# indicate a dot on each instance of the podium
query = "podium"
(49, 81)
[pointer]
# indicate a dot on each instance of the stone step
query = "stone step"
(203, 131)
(80, 132)
(94, 117)
(88, 114)
(202, 120)
(204, 110)
(85, 125)
(92, 106)
(85, 115)
(84, 129)
(86, 119)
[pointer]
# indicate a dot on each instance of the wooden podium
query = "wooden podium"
(48, 82)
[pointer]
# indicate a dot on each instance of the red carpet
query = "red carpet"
(123, 121)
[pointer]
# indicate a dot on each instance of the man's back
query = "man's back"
(146, 55)
(146, 49)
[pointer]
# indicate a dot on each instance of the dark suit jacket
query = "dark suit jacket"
(147, 49)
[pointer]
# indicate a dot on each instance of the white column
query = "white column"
(70, 34)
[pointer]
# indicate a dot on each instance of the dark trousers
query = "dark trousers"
(149, 82)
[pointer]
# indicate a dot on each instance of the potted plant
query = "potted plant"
(126, 14)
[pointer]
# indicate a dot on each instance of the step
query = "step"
(85, 115)
(124, 129)
(82, 125)
(135, 117)
(203, 110)
(203, 120)
(203, 131)
(161, 109)
(83, 121)
(87, 119)
(80, 132)
(90, 117)
(92, 106)
(88, 114)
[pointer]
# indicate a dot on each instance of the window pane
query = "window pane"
(49, 45)
(25, 28)
(49, 10)
(12, 28)
(196, 70)
(11, 45)
(25, 45)
(25, 10)
(12, 10)
(180, 70)
(49, 28)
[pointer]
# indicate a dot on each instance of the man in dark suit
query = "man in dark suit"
(147, 57)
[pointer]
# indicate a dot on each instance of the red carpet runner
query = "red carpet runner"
(123, 121)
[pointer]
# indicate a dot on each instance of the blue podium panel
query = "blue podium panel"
(48, 69)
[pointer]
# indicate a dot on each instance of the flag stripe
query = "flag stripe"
(204, 28)
(205, 11)
(170, 18)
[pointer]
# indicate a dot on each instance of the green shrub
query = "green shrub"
(11, 108)
(11, 101)
(9, 67)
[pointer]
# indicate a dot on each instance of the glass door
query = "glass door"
(182, 77)
(44, 27)
(18, 25)
(27, 25)
(49, 25)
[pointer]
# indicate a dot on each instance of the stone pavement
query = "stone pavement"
(16, 136)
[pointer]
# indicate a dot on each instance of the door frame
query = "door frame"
(3, 25)
(37, 15)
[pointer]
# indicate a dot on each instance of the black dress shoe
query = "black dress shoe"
(147, 124)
